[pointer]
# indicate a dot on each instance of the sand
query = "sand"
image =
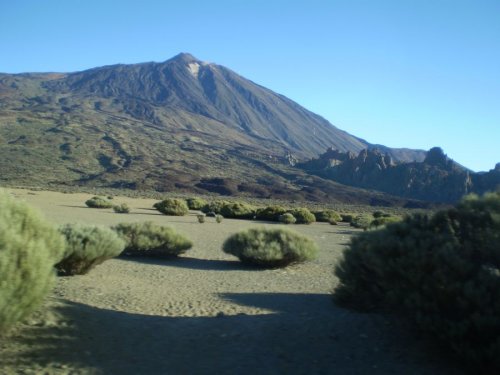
(205, 313)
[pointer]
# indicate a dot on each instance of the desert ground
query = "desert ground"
(205, 313)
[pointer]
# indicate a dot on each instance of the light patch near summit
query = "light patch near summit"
(194, 68)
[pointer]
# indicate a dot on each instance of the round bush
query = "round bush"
(201, 218)
(218, 218)
(213, 207)
(326, 216)
(86, 247)
(361, 222)
(121, 208)
(442, 272)
(303, 216)
(29, 248)
(98, 202)
(346, 218)
(270, 213)
(270, 248)
(172, 207)
(195, 203)
(287, 218)
(237, 210)
(149, 239)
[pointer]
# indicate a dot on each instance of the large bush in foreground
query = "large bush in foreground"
(98, 202)
(172, 206)
(149, 239)
(270, 248)
(86, 247)
(443, 272)
(29, 248)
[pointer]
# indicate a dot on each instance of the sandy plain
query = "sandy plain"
(205, 313)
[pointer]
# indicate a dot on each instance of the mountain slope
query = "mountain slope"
(181, 124)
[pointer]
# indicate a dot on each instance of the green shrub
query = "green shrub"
(326, 215)
(121, 208)
(270, 248)
(149, 239)
(270, 213)
(384, 220)
(287, 218)
(172, 207)
(380, 214)
(218, 218)
(86, 247)
(98, 202)
(361, 222)
(347, 218)
(195, 203)
(303, 216)
(443, 272)
(332, 222)
(237, 210)
(29, 248)
(201, 218)
(213, 207)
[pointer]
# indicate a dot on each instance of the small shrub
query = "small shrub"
(149, 239)
(237, 210)
(218, 218)
(270, 248)
(214, 207)
(29, 248)
(332, 222)
(303, 216)
(172, 207)
(86, 247)
(384, 220)
(195, 203)
(201, 218)
(110, 197)
(98, 202)
(361, 222)
(287, 218)
(121, 208)
(440, 271)
(346, 218)
(327, 215)
(270, 213)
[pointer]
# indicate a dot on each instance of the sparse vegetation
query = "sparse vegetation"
(303, 216)
(172, 207)
(287, 218)
(29, 248)
(270, 248)
(149, 239)
(443, 272)
(121, 208)
(195, 203)
(86, 247)
(98, 202)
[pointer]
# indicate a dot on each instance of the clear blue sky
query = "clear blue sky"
(401, 73)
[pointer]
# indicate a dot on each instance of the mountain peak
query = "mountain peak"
(185, 57)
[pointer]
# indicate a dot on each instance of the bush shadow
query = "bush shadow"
(194, 263)
(305, 334)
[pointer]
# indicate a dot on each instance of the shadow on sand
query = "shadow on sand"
(307, 334)
(194, 263)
